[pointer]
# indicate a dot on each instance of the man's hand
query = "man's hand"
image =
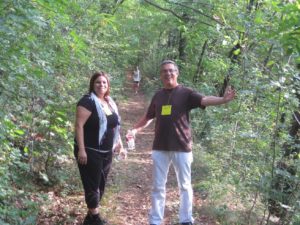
(229, 94)
(130, 134)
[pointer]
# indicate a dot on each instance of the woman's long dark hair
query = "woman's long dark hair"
(94, 77)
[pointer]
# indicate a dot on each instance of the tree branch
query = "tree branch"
(198, 11)
(200, 3)
(118, 4)
(182, 18)
(168, 10)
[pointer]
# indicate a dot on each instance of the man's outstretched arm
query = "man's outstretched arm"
(214, 100)
(141, 124)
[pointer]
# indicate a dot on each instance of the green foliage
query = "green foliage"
(47, 56)
(49, 49)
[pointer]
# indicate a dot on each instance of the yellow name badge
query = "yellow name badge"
(166, 110)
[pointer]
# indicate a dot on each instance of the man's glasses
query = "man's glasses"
(168, 70)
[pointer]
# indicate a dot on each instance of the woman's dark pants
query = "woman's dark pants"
(94, 175)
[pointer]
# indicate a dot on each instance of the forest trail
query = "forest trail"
(127, 198)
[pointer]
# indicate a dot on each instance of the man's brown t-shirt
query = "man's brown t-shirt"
(171, 109)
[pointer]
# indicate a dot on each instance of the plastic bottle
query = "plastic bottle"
(122, 155)
(130, 140)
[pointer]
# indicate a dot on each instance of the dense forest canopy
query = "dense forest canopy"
(49, 49)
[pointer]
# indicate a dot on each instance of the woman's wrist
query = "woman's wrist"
(82, 149)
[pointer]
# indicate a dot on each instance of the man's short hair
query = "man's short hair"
(168, 61)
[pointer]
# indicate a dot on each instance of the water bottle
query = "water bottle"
(122, 155)
(130, 140)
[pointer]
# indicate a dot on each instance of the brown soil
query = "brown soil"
(127, 199)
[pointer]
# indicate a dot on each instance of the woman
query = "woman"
(97, 136)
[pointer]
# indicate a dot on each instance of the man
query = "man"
(173, 140)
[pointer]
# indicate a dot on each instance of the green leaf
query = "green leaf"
(26, 149)
(270, 63)
(19, 132)
(258, 18)
(237, 52)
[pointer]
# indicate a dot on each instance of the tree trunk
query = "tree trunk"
(182, 46)
(199, 71)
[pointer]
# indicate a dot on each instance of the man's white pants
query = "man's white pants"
(182, 162)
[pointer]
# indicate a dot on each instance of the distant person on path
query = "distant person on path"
(96, 137)
(136, 79)
(173, 140)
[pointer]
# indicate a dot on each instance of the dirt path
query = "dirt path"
(127, 199)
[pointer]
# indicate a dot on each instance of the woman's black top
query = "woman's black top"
(91, 127)
(108, 138)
